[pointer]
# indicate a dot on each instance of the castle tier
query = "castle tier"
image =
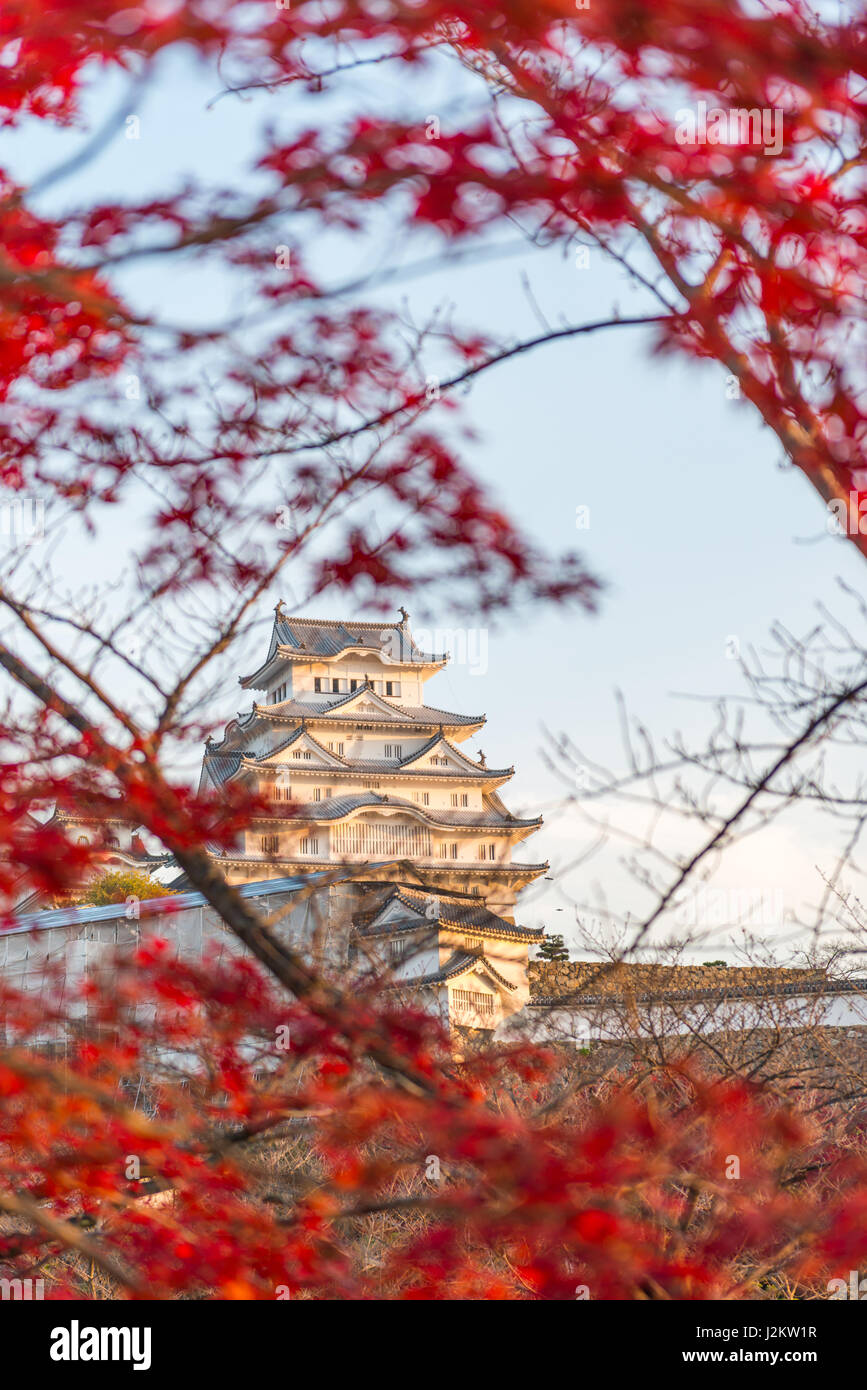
(362, 772)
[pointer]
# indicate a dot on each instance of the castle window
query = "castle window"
(454, 849)
(393, 750)
(465, 799)
(309, 845)
(282, 791)
(270, 844)
(487, 851)
(392, 688)
(425, 798)
(396, 950)
(377, 686)
(339, 749)
(454, 798)
(363, 837)
(371, 786)
(317, 684)
(473, 1001)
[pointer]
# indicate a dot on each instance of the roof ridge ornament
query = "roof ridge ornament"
(278, 610)
(482, 762)
(404, 617)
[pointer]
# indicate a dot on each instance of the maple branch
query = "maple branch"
(553, 336)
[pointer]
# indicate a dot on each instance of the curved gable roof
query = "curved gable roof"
(325, 639)
(339, 710)
(450, 911)
(349, 803)
(439, 740)
(465, 963)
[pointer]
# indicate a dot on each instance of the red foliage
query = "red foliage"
(762, 248)
(524, 1204)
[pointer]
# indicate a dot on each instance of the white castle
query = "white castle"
(360, 772)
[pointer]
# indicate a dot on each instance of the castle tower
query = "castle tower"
(361, 771)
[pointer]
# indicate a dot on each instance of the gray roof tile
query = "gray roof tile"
(149, 907)
(459, 964)
(330, 708)
(464, 913)
(328, 637)
(333, 807)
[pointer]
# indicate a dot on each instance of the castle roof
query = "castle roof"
(96, 811)
(334, 808)
(223, 766)
(467, 764)
(164, 906)
(380, 706)
(377, 710)
(405, 763)
(463, 963)
(484, 870)
(326, 639)
(462, 912)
